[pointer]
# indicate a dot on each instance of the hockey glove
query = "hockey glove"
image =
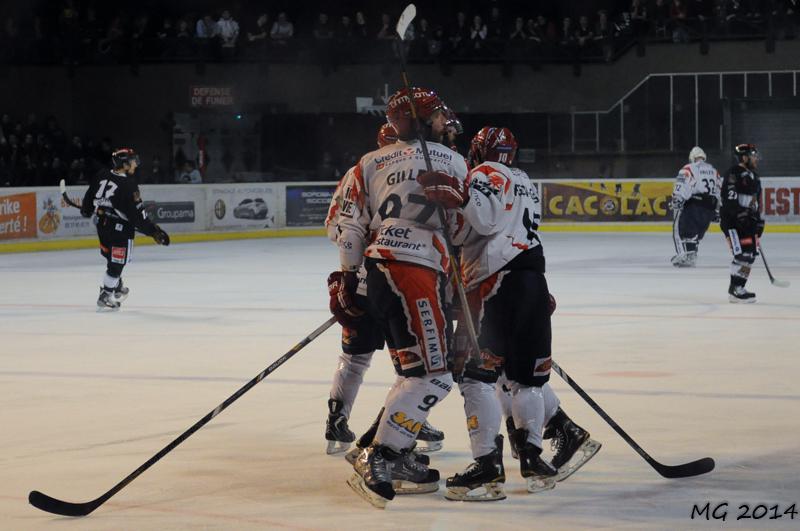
(676, 204)
(443, 189)
(342, 287)
(161, 237)
(551, 304)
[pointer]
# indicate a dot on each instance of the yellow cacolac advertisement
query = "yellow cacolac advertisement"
(630, 200)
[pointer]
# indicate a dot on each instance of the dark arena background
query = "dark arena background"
(243, 117)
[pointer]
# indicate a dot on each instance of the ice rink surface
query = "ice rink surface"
(87, 397)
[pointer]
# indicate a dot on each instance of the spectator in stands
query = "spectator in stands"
(257, 37)
(361, 31)
(518, 31)
(791, 18)
(584, 36)
(496, 33)
(387, 31)
(91, 33)
(678, 18)
(604, 35)
(345, 39)
(639, 20)
(10, 42)
(477, 37)
(282, 30)
(189, 174)
(166, 38)
(419, 48)
(660, 17)
(460, 35)
(323, 37)
(69, 32)
(183, 39)
(229, 33)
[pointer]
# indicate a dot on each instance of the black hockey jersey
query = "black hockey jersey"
(115, 198)
(741, 191)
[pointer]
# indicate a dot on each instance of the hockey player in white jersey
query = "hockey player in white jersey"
(695, 204)
(503, 271)
(386, 218)
(360, 339)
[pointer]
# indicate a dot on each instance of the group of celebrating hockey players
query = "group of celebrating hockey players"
(396, 285)
(701, 196)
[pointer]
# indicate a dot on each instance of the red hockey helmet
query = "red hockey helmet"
(493, 144)
(386, 135)
(398, 110)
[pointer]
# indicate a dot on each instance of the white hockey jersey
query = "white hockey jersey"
(384, 212)
(501, 220)
(337, 201)
(697, 179)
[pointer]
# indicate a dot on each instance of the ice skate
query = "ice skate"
(431, 439)
(685, 259)
(106, 301)
(409, 476)
(572, 445)
(539, 474)
(120, 292)
(352, 455)
(737, 294)
(372, 479)
(482, 480)
(337, 433)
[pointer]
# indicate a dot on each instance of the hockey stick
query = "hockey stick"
(64, 195)
(405, 19)
(686, 470)
(52, 505)
(775, 281)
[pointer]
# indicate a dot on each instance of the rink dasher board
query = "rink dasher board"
(37, 219)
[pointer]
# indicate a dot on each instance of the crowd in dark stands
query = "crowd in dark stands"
(91, 32)
(37, 152)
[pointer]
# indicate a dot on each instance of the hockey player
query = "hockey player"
(116, 204)
(360, 339)
(740, 220)
(386, 219)
(695, 204)
(503, 270)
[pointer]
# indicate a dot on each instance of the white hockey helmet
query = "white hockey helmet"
(697, 153)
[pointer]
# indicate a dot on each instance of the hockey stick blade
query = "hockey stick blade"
(52, 505)
(405, 19)
(64, 195)
(685, 470)
(781, 283)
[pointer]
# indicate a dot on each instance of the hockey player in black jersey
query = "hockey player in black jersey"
(116, 204)
(740, 220)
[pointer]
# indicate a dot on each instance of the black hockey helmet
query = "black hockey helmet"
(745, 150)
(122, 156)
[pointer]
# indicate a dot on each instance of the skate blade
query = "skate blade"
(352, 455)
(337, 447)
(582, 455)
(540, 484)
(429, 446)
(486, 492)
(736, 300)
(107, 309)
(409, 487)
(356, 483)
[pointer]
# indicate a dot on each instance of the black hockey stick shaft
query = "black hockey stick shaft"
(402, 24)
(772, 279)
(694, 468)
(65, 197)
(52, 505)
